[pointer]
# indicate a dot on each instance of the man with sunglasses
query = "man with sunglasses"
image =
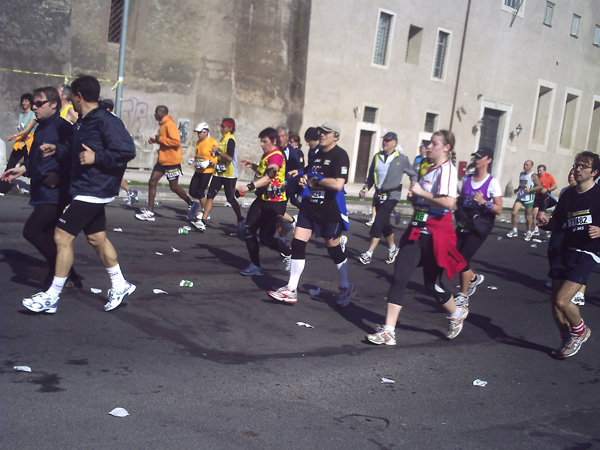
(323, 213)
(49, 179)
(578, 211)
(99, 151)
(386, 171)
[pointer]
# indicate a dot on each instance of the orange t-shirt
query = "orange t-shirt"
(169, 151)
(203, 149)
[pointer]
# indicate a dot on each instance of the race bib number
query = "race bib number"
(382, 198)
(420, 217)
(173, 174)
(220, 168)
(199, 162)
(578, 221)
(317, 196)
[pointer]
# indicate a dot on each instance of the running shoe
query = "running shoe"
(116, 297)
(131, 196)
(199, 225)
(365, 258)
(343, 242)
(252, 271)
(369, 223)
(343, 295)
(192, 210)
(382, 337)
(473, 284)
(513, 233)
(41, 302)
(528, 236)
(145, 215)
(578, 299)
(392, 255)
(287, 259)
(535, 232)
(456, 325)
(294, 223)
(284, 294)
(461, 300)
(574, 344)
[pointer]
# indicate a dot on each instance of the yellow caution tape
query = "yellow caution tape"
(66, 77)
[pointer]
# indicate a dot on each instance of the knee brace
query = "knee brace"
(336, 254)
(298, 249)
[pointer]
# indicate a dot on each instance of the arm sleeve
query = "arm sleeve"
(370, 181)
(340, 167)
(172, 138)
(230, 148)
(118, 148)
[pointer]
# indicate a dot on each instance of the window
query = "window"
(370, 114)
(567, 133)
(413, 46)
(543, 113)
(575, 25)
(441, 48)
(513, 4)
(115, 21)
(430, 122)
(514, 7)
(597, 36)
(384, 29)
(594, 137)
(548, 14)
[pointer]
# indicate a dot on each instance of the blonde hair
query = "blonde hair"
(449, 139)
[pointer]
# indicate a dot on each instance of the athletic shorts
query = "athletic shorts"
(524, 203)
(82, 216)
(327, 230)
(171, 172)
(540, 202)
(573, 266)
(199, 184)
(227, 183)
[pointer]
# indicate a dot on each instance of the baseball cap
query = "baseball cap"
(330, 126)
(483, 152)
(201, 127)
(311, 134)
(390, 136)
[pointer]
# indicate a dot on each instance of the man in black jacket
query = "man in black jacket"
(99, 151)
(49, 178)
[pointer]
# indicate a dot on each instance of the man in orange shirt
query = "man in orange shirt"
(204, 162)
(543, 200)
(169, 164)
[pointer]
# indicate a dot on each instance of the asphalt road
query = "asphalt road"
(221, 365)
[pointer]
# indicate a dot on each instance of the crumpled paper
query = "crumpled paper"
(119, 412)
(22, 368)
(386, 380)
(118, 230)
(96, 290)
(314, 292)
(174, 250)
(159, 291)
(479, 382)
(303, 324)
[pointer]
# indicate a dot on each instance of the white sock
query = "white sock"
(369, 252)
(456, 313)
(116, 277)
(56, 287)
(296, 270)
(343, 273)
(390, 329)
(392, 248)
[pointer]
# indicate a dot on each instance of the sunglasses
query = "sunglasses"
(581, 166)
(40, 103)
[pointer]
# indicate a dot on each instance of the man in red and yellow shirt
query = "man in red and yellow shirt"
(270, 202)
(169, 164)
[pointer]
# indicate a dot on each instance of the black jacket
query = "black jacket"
(53, 130)
(106, 135)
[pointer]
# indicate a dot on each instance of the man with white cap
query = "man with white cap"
(204, 162)
(323, 212)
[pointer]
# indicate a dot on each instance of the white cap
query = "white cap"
(201, 127)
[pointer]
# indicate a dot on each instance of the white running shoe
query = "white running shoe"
(284, 294)
(199, 225)
(473, 284)
(461, 300)
(528, 236)
(252, 271)
(365, 258)
(115, 298)
(288, 262)
(343, 242)
(146, 215)
(455, 325)
(513, 233)
(535, 232)
(40, 302)
(382, 337)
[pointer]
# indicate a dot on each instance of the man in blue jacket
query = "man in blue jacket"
(49, 178)
(99, 151)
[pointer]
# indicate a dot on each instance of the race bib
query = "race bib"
(220, 168)
(578, 221)
(420, 216)
(317, 196)
(173, 174)
(381, 198)
(199, 162)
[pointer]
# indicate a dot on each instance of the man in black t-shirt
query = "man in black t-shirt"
(323, 212)
(578, 211)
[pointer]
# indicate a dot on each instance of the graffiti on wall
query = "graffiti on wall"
(184, 131)
(137, 116)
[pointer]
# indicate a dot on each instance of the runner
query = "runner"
(478, 205)
(429, 242)
(324, 213)
(579, 210)
(270, 203)
(204, 162)
(528, 185)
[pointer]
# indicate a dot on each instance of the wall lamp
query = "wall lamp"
(519, 129)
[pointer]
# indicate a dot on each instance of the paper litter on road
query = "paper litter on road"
(96, 290)
(303, 324)
(533, 245)
(314, 292)
(386, 380)
(537, 240)
(23, 368)
(404, 222)
(158, 253)
(493, 288)
(479, 382)
(174, 250)
(504, 221)
(499, 238)
(159, 291)
(119, 412)
(118, 230)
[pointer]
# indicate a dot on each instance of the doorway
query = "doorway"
(491, 128)
(364, 153)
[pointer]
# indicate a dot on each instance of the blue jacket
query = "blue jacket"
(106, 135)
(53, 130)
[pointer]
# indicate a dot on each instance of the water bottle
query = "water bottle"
(186, 283)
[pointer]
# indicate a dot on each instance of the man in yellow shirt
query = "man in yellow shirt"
(204, 162)
(169, 164)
